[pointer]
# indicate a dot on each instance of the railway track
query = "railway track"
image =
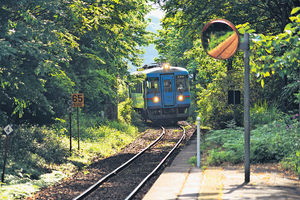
(124, 182)
(132, 167)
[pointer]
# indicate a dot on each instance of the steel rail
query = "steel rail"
(156, 168)
(114, 172)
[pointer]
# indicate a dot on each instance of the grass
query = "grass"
(39, 156)
(215, 40)
(274, 139)
(17, 187)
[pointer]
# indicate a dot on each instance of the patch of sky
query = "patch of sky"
(155, 16)
(150, 52)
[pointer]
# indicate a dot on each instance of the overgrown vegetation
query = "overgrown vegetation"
(274, 80)
(273, 139)
(274, 56)
(52, 48)
(39, 156)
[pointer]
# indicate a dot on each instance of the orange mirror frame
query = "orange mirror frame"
(220, 39)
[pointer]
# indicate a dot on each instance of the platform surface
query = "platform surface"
(181, 181)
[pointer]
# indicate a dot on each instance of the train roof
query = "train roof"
(159, 70)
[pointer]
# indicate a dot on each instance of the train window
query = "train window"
(152, 85)
(182, 83)
(167, 86)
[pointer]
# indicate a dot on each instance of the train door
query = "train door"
(168, 94)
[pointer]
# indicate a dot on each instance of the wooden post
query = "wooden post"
(4, 158)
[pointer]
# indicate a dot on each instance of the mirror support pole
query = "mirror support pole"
(245, 47)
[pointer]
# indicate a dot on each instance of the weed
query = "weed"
(35, 151)
(261, 114)
(193, 161)
(276, 141)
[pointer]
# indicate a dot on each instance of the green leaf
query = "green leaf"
(295, 10)
(295, 19)
(267, 74)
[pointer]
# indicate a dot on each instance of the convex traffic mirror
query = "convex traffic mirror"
(220, 39)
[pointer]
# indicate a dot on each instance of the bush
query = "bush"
(109, 138)
(33, 151)
(3, 119)
(192, 161)
(273, 142)
(30, 148)
(125, 110)
(225, 146)
(261, 114)
(138, 121)
(214, 109)
(292, 162)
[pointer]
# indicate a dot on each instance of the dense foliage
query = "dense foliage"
(274, 43)
(274, 138)
(274, 54)
(50, 49)
(269, 16)
(39, 156)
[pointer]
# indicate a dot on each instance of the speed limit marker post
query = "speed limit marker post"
(77, 102)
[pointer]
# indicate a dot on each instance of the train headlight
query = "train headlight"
(180, 97)
(166, 66)
(155, 99)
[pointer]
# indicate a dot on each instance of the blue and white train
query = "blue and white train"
(163, 94)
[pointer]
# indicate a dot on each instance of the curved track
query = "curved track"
(115, 172)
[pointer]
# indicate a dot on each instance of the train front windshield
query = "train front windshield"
(182, 83)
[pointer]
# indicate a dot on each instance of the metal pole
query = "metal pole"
(247, 109)
(78, 127)
(70, 130)
(198, 142)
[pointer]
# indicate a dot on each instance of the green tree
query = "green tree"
(172, 43)
(267, 15)
(109, 43)
(278, 56)
(32, 54)
(49, 49)
(213, 79)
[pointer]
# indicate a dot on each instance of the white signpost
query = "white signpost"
(198, 142)
(8, 129)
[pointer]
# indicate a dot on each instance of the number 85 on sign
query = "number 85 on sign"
(77, 100)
